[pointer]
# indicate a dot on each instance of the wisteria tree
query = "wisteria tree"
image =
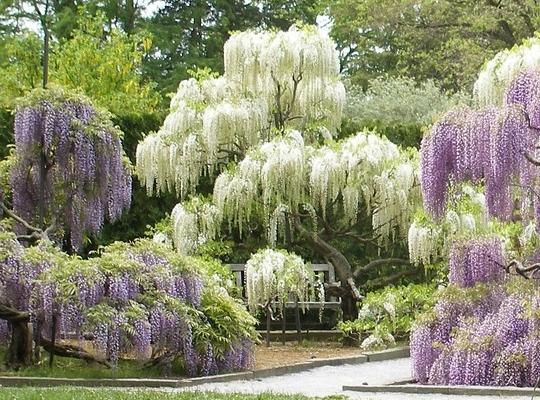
(484, 329)
(69, 171)
(140, 298)
(265, 128)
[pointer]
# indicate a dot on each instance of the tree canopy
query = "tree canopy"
(447, 41)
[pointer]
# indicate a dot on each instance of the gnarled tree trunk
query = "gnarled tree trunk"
(347, 291)
(19, 352)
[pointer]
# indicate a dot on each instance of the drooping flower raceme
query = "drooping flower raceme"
(271, 80)
(489, 145)
(498, 74)
(277, 276)
(69, 157)
(364, 173)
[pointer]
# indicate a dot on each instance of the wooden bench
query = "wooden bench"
(326, 269)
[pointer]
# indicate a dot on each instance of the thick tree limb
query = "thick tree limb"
(11, 214)
(378, 263)
(520, 269)
(331, 254)
(531, 159)
(341, 265)
(10, 314)
(70, 351)
(334, 290)
(386, 280)
(36, 234)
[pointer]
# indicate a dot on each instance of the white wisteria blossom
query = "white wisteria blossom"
(194, 223)
(499, 72)
(430, 241)
(274, 277)
(271, 80)
(364, 173)
(423, 243)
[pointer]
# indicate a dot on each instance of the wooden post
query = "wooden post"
(297, 320)
(283, 322)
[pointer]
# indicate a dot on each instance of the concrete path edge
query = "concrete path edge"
(390, 354)
(502, 391)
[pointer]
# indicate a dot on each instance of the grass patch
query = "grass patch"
(64, 393)
(74, 368)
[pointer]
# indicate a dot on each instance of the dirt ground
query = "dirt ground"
(292, 353)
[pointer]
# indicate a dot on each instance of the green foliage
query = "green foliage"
(400, 101)
(446, 40)
(5, 173)
(106, 66)
(226, 320)
(399, 108)
(20, 70)
(66, 393)
(6, 132)
(190, 35)
(388, 314)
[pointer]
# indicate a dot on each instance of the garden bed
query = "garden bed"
(278, 355)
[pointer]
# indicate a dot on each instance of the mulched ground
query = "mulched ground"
(292, 353)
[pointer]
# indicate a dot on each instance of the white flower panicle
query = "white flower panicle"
(430, 241)
(194, 226)
(216, 120)
(278, 276)
(423, 243)
(285, 176)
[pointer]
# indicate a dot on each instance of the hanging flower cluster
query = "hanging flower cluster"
(272, 80)
(68, 156)
(274, 277)
(286, 176)
(490, 146)
(264, 63)
(483, 331)
(476, 261)
(139, 298)
(423, 241)
(194, 223)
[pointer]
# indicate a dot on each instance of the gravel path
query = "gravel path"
(321, 381)
(329, 380)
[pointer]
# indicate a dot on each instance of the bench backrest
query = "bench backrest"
(240, 275)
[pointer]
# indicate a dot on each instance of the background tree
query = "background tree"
(399, 108)
(447, 41)
(190, 34)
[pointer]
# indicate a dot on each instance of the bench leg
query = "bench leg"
(283, 323)
(297, 320)
(268, 320)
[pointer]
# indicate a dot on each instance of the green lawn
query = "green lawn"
(64, 393)
(71, 368)
(74, 368)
